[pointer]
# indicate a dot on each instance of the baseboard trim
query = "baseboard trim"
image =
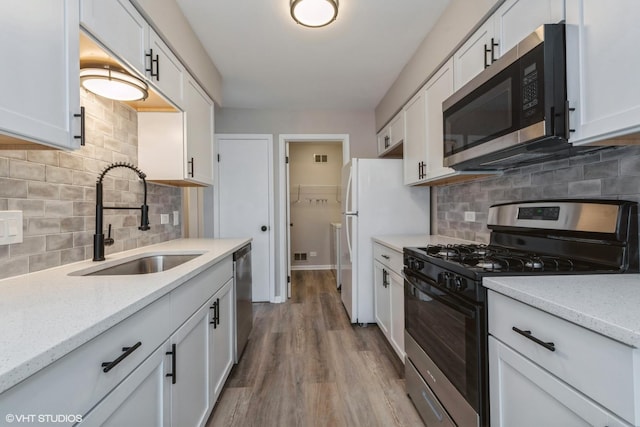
(312, 267)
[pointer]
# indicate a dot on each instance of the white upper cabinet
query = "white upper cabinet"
(118, 26)
(474, 55)
(176, 148)
(396, 129)
(511, 23)
(39, 82)
(384, 139)
(437, 89)
(199, 112)
(391, 138)
(603, 66)
(415, 146)
(164, 70)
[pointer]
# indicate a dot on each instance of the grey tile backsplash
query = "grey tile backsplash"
(56, 192)
(611, 173)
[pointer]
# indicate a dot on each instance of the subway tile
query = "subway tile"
(84, 208)
(70, 192)
(47, 157)
(113, 145)
(605, 169)
(26, 170)
(103, 154)
(58, 175)
(29, 246)
(121, 184)
(555, 164)
(30, 208)
(83, 238)
(4, 204)
(84, 179)
(71, 255)
(15, 154)
(58, 208)
(71, 161)
(590, 187)
(56, 242)
(13, 267)
(13, 188)
(572, 173)
(542, 178)
(4, 252)
(39, 226)
(73, 223)
(44, 261)
(623, 185)
(630, 166)
(4, 167)
(43, 190)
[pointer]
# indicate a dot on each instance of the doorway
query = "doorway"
(311, 197)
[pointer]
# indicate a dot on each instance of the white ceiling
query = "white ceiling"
(268, 61)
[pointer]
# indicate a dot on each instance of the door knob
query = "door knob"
(264, 228)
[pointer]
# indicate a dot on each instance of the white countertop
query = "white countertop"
(47, 314)
(398, 241)
(608, 304)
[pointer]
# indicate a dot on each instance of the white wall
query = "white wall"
(459, 19)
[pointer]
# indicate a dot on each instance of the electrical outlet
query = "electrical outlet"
(164, 218)
(176, 218)
(313, 253)
(11, 224)
(469, 216)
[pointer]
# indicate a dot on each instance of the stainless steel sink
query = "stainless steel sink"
(144, 265)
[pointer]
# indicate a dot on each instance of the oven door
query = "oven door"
(450, 331)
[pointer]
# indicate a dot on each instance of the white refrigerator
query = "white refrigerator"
(375, 202)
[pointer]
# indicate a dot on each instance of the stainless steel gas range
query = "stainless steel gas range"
(445, 302)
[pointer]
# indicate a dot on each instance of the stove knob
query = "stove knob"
(419, 264)
(460, 284)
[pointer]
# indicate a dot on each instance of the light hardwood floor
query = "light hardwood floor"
(306, 365)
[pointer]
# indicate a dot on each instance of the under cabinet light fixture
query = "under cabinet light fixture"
(113, 83)
(314, 13)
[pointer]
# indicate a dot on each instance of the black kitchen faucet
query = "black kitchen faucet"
(99, 240)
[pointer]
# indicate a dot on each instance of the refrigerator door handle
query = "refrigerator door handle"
(346, 220)
(350, 213)
(348, 198)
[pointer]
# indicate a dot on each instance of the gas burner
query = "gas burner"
(534, 264)
(489, 265)
(447, 252)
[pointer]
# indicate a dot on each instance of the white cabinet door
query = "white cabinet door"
(516, 19)
(523, 394)
(164, 69)
(381, 295)
(438, 88)
(221, 339)
(142, 399)
(190, 401)
(39, 82)
(415, 156)
(396, 129)
(474, 55)
(198, 164)
(603, 68)
(396, 286)
(119, 27)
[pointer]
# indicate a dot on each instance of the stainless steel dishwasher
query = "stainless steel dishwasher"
(242, 283)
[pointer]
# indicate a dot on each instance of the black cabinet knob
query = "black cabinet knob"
(264, 228)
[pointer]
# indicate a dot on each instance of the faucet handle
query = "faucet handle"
(109, 240)
(144, 218)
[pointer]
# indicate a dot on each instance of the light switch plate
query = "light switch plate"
(11, 224)
(164, 218)
(469, 216)
(176, 217)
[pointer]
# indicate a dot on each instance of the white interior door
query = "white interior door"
(245, 202)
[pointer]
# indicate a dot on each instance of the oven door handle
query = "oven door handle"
(460, 307)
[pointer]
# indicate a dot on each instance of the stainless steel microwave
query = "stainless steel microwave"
(516, 111)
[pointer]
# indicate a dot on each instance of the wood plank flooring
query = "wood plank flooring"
(306, 365)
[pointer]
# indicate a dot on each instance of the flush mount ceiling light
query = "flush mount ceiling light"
(314, 13)
(113, 83)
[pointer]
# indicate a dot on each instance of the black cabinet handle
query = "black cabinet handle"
(174, 357)
(82, 133)
(217, 313)
(527, 334)
(190, 162)
(153, 61)
(385, 256)
(494, 45)
(386, 141)
(107, 366)
(486, 51)
(214, 320)
(385, 278)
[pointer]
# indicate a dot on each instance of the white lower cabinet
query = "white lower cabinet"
(221, 340)
(546, 371)
(389, 295)
(163, 366)
(525, 395)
